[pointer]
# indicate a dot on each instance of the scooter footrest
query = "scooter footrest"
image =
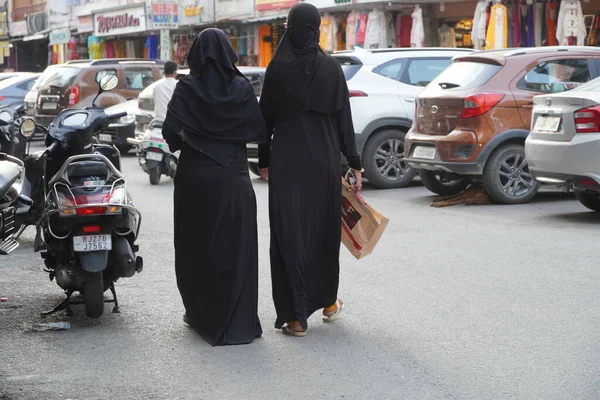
(8, 245)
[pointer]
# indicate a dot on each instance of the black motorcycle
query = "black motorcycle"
(88, 225)
(14, 188)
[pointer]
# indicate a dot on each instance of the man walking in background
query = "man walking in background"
(164, 90)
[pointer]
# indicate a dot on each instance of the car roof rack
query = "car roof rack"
(403, 49)
(112, 61)
(512, 52)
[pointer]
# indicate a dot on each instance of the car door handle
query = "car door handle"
(409, 99)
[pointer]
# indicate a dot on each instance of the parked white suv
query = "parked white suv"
(383, 85)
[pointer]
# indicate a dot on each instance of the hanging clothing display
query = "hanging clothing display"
(361, 30)
(417, 33)
(130, 48)
(538, 23)
(152, 46)
(510, 10)
(527, 29)
(479, 25)
(109, 50)
(516, 27)
(376, 35)
(570, 29)
(351, 30)
(95, 47)
(447, 36)
(403, 30)
(390, 32)
(496, 37)
(341, 33)
(551, 19)
(328, 39)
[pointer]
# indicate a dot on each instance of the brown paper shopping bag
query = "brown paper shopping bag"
(362, 226)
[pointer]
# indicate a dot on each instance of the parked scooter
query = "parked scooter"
(89, 225)
(14, 199)
(154, 154)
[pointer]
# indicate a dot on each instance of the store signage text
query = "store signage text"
(106, 24)
(120, 22)
(192, 11)
(262, 5)
(85, 24)
(60, 36)
(165, 14)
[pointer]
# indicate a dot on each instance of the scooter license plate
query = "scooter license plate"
(83, 244)
(151, 155)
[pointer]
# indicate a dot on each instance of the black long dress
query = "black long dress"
(304, 203)
(212, 115)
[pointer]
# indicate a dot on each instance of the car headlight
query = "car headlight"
(128, 119)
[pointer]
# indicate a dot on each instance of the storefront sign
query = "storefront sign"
(3, 23)
(193, 11)
(37, 22)
(85, 24)
(262, 5)
(165, 14)
(165, 44)
(120, 22)
(60, 36)
(17, 29)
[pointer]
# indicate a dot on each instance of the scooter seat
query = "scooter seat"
(9, 173)
(82, 169)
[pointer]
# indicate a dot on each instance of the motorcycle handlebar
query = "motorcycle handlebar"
(52, 147)
(118, 115)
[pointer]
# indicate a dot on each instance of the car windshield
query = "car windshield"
(58, 76)
(463, 75)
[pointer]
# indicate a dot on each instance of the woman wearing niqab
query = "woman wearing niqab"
(212, 115)
(306, 107)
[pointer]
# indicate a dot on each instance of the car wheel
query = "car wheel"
(384, 162)
(441, 185)
(506, 176)
(253, 167)
(589, 200)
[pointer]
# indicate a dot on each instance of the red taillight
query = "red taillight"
(91, 229)
(73, 95)
(588, 182)
(91, 210)
(479, 103)
(2, 98)
(587, 120)
(357, 93)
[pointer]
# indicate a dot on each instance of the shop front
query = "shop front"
(122, 33)
(6, 61)
(29, 39)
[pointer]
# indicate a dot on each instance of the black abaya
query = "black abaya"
(216, 258)
(304, 210)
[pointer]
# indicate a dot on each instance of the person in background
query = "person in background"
(163, 91)
(306, 108)
(212, 115)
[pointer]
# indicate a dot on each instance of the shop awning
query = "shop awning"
(38, 36)
(265, 18)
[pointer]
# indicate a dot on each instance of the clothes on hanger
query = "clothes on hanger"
(551, 20)
(417, 33)
(538, 22)
(447, 36)
(328, 39)
(517, 39)
(496, 37)
(152, 46)
(478, 31)
(376, 35)
(351, 30)
(403, 30)
(570, 27)
(361, 30)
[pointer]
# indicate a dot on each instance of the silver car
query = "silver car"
(563, 146)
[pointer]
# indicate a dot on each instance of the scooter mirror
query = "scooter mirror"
(5, 116)
(109, 82)
(27, 127)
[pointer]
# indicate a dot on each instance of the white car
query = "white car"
(383, 85)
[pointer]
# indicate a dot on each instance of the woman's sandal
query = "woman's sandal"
(293, 329)
(338, 307)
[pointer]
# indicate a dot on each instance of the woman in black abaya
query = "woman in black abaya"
(212, 115)
(306, 107)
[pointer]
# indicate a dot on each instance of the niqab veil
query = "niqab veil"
(215, 102)
(301, 77)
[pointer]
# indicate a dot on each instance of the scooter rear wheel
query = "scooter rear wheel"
(93, 295)
(155, 176)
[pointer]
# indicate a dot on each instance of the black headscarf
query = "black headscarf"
(301, 76)
(215, 102)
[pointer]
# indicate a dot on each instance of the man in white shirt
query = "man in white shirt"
(163, 91)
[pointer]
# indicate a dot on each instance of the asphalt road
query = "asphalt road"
(464, 302)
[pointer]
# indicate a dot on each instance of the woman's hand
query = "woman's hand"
(264, 173)
(357, 185)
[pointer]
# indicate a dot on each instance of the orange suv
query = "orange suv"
(471, 122)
